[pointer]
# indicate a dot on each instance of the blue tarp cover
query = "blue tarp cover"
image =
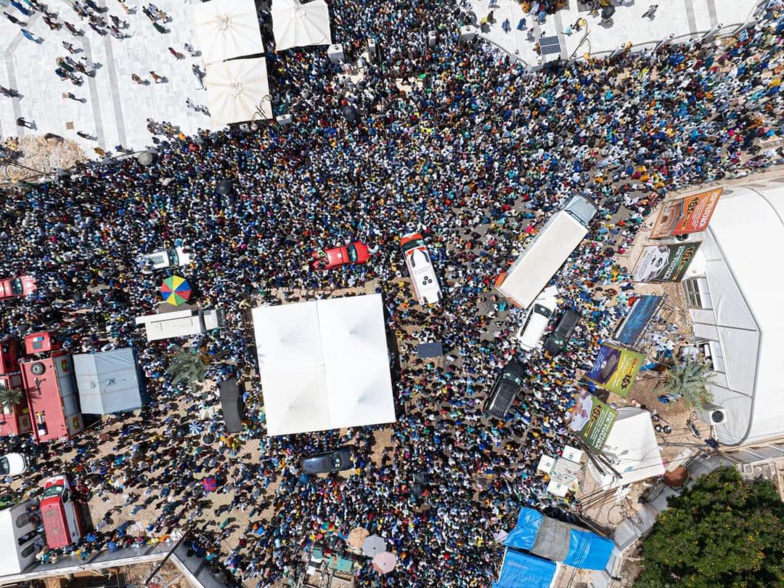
(524, 533)
(588, 551)
(525, 571)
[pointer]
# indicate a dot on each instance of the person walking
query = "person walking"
(651, 12)
(158, 79)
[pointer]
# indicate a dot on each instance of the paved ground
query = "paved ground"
(116, 109)
(680, 18)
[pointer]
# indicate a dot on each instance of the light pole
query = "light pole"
(260, 114)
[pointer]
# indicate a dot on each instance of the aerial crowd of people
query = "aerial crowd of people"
(457, 142)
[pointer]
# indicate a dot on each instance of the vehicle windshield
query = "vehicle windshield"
(413, 244)
(56, 490)
(16, 287)
(174, 259)
(539, 309)
(352, 252)
(336, 462)
(5, 467)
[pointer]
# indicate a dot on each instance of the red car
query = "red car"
(356, 252)
(13, 287)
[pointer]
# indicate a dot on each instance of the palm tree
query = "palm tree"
(689, 379)
(187, 367)
(10, 397)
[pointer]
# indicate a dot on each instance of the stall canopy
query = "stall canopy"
(632, 450)
(227, 29)
(324, 364)
(108, 382)
(557, 541)
(300, 25)
(238, 91)
(519, 569)
(231, 405)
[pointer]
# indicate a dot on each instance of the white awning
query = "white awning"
(227, 29)
(300, 25)
(324, 365)
(238, 91)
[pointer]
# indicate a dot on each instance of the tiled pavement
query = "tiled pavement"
(116, 108)
(680, 18)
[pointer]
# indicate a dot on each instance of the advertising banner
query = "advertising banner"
(665, 263)
(686, 214)
(591, 419)
(615, 368)
(630, 329)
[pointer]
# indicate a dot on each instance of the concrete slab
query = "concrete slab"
(681, 18)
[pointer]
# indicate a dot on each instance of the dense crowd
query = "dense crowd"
(455, 142)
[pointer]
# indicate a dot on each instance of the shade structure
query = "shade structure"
(108, 382)
(384, 562)
(357, 536)
(324, 365)
(300, 25)
(175, 290)
(227, 29)
(373, 545)
(238, 91)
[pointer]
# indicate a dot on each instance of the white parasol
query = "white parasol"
(238, 91)
(227, 29)
(300, 25)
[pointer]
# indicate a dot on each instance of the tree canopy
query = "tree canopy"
(723, 532)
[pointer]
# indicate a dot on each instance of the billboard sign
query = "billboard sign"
(591, 420)
(665, 263)
(686, 214)
(615, 368)
(632, 327)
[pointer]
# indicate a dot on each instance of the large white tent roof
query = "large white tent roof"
(631, 449)
(300, 25)
(238, 91)
(741, 253)
(227, 29)
(324, 364)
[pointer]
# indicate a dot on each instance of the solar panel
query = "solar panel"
(549, 45)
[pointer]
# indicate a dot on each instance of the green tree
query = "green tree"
(690, 380)
(187, 367)
(721, 533)
(10, 396)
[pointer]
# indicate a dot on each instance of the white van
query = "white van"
(176, 256)
(537, 317)
(420, 268)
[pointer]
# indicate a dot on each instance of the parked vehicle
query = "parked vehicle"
(13, 464)
(328, 461)
(356, 252)
(537, 317)
(564, 327)
(60, 514)
(176, 256)
(15, 287)
(420, 268)
(548, 251)
(505, 389)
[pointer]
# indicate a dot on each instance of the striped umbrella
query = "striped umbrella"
(175, 290)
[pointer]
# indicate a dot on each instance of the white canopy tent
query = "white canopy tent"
(631, 449)
(238, 91)
(738, 272)
(300, 25)
(108, 382)
(324, 365)
(227, 29)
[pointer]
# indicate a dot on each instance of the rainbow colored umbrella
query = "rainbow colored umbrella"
(175, 290)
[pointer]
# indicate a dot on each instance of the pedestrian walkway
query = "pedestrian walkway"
(681, 19)
(110, 107)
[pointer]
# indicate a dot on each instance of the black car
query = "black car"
(505, 389)
(329, 461)
(562, 332)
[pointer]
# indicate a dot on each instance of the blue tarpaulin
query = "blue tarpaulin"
(588, 551)
(521, 570)
(557, 541)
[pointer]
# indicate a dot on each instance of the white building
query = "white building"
(18, 535)
(734, 291)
